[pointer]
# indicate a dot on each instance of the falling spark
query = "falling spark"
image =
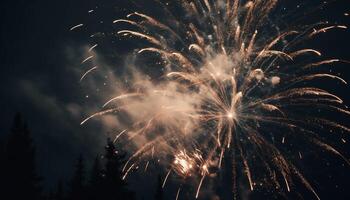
(127, 171)
(178, 193)
(77, 26)
(118, 136)
(87, 72)
(199, 186)
(87, 59)
(93, 47)
(166, 178)
(146, 167)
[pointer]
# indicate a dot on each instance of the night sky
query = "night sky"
(40, 72)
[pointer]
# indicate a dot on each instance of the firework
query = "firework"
(232, 83)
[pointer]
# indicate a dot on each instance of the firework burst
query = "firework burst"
(232, 86)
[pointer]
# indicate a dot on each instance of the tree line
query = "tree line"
(20, 179)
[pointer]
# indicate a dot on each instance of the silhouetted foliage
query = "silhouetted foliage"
(2, 165)
(19, 168)
(159, 190)
(104, 182)
(95, 182)
(114, 187)
(59, 193)
(78, 190)
(19, 179)
(96, 173)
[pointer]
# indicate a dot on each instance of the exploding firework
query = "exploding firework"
(233, 86)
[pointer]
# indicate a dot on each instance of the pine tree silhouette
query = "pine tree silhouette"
(78, 191)
(20, 177)
(95, 182)
(59, 193)
(159, 190)
(50, 196)
(2, 165)
(114, 187)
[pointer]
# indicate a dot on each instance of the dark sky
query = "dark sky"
(38, 80)
(39, 57)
